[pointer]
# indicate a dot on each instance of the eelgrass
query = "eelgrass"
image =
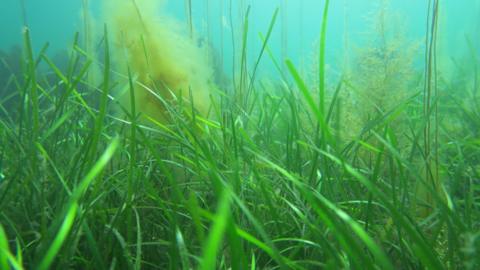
(266, 185)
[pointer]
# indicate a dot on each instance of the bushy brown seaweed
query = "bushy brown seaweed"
(166, 62)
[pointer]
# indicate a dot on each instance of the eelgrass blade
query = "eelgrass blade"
(182, 249)
(4, 249)
(424, 251)
(262, 50)
(6, 257)
(309, 98)
(100, 118)
(73, 205)
(95, 170)
(139, 243)
(60, 238)
(321, 59)
(44, 153)
(31, 65)
(216, 235)
(348, 243)
(242, 89)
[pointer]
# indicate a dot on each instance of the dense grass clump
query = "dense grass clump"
(266, 180)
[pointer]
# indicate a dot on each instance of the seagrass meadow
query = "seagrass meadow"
(240, 134)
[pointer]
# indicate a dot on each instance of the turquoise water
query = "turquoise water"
(294, 36)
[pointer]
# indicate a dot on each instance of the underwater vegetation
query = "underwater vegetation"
(9, 69)
(124, 152)
(163, 58)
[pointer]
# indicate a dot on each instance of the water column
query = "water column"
(220, 23)
(301, 42)
(188, 16)
(284, 36)
(346, 53)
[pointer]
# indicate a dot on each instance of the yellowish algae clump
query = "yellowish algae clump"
(163, 59)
